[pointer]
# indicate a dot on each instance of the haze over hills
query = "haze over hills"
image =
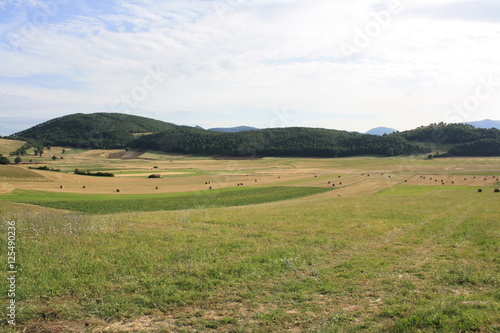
(381, 131)
(114, 130)
(233, 129)
(487, 123)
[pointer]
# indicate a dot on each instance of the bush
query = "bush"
(97, 174)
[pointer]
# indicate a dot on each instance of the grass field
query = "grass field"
(106, 204)
(9, 173)
(8, 146)
(288, 253)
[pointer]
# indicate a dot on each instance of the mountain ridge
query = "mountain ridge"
(114, 130)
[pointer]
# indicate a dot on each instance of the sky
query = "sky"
(340, 64)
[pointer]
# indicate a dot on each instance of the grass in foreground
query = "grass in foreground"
(109, 204)
(399, 263)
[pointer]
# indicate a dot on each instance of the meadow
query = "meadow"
(381, 251)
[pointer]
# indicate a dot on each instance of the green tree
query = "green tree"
(4, 160)
(54, 158)
(18, 160)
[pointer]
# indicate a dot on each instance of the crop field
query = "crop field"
(6, 146)
(261, 245)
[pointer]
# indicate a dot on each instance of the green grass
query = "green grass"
(104, 204)
(409, 264)
(407, 259)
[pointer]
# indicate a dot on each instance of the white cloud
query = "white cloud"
(221, 58)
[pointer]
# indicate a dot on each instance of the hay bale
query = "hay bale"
(480, 190)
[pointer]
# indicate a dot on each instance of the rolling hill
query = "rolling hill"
(97, 130)
(114, 130)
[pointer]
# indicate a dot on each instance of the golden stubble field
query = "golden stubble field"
(389, 250)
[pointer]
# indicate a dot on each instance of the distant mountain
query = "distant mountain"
(381, 131)
(487, 123)
(96, 130)
(233, 129)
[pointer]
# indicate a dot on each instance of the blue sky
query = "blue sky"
(343, 64)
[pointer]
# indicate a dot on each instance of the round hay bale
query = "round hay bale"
(480, 190)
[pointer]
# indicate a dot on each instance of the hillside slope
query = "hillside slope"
(296, 141)
(97, 130)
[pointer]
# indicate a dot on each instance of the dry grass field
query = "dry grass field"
(400, 244)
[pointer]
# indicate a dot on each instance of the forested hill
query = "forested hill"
(296, 141)
(468, 140)
(450, 133)
(97, 130)
(114, 130)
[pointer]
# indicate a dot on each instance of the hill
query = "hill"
(7, 146)
(114, 130)
(97, 130)
(487, 123)
(381, 131)
(466, 139)
(233, 129)
(296, 141)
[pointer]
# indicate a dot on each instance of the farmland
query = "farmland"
(360, 244)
